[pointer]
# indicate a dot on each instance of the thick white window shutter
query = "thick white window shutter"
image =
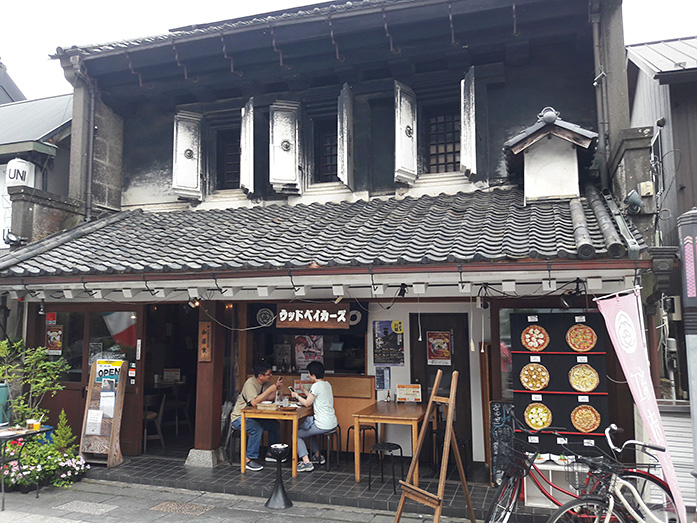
(284, 147)
(405, 166)
(247, 148)
(468, 127)
(345, 137)
(186, 167)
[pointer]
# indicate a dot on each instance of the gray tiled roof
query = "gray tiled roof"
(226, 26)
(484, 225)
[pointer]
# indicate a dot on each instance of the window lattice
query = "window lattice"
(443, 139)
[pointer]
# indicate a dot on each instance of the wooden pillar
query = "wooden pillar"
(209, 381)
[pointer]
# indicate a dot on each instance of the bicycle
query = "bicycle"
(611, 492)
(521, 465)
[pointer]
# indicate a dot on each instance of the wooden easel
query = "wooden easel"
(411, 491)
(100, 441)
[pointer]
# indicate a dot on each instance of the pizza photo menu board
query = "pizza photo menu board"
(559, 377)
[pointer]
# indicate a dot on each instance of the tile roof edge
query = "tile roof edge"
(300, 13)
(54, 240)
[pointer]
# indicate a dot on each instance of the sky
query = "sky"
(31, 31)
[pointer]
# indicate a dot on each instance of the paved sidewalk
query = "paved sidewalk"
(110, 501)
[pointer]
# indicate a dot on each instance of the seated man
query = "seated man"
(255, 390)
(323, 421)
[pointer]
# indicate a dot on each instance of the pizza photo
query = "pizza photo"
(534, 376)
(538, 416)
(584, 378)
(585, 418)
(581, 338)
(534, 338)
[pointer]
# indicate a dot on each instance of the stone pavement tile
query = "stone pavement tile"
(23, 517)
(137, 514)
(189, 509)
(232, 514)
(86, 507)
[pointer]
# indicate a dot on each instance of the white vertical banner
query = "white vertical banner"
(624, 320)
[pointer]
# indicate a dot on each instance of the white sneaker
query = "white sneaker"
(305, 467)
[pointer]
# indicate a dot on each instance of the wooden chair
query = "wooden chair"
(153, 410)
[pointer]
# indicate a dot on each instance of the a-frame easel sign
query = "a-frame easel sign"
(101, 425)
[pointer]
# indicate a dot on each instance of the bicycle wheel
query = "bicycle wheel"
(586, 510)
(505, 499)
(653, 492)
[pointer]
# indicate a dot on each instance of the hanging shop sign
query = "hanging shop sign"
(313, 316)
(624, 318)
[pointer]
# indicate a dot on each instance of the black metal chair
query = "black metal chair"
(362, 429)
(332, 441)
(379, 449)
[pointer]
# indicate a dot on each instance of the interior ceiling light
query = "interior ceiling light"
(194, 302)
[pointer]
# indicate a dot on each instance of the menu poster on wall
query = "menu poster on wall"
(439, 347)
(388, 343)
(382, 378)
(308, 348)
(281, 355)
(54, 340)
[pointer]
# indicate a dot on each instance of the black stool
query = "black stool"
(379, 449)
(333, 441)
(362, 429)
(232, 449)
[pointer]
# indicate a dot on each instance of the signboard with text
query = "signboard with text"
(313, 316)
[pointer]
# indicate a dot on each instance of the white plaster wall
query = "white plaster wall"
(402, 434)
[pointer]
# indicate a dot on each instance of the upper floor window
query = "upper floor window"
(326, 149)
(442, 139)
(434, 137)
(228, 159)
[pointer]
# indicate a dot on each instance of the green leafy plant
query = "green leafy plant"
(10, 359)
(31, 375)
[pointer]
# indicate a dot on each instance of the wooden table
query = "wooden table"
(295, 416)
(388, 413)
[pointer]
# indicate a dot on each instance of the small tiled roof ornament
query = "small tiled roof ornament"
(550, 154)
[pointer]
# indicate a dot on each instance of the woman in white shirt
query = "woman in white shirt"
(323, 421)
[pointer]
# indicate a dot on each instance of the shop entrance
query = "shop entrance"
(448, 337)
(170, 374)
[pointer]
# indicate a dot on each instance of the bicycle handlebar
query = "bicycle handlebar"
(641, 445)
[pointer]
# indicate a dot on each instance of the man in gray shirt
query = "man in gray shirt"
(255, 390)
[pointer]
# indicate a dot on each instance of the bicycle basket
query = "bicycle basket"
(576, 475)
(588, 478)
(519, 457)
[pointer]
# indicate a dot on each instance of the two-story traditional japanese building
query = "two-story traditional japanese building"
(378, 184)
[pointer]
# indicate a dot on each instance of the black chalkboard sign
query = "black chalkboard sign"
(502, 430)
